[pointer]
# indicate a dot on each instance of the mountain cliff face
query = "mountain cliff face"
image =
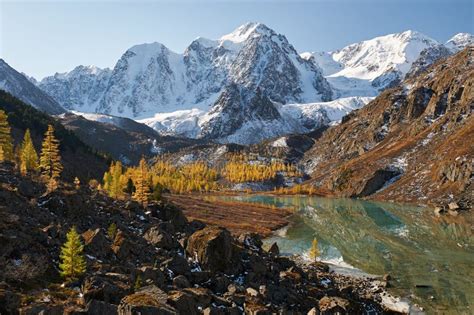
(413, 143)
(20, 86)
(150, 78)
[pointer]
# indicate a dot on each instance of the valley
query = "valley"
(242, 176)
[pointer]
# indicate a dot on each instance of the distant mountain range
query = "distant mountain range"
(247, 86)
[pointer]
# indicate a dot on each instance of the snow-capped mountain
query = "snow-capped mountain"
(248, 85)
(366, 68)
(230, 123)
(79, 89)
(20, 86)
(460, 41)
(150, 78)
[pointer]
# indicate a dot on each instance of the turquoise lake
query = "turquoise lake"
(430, 260)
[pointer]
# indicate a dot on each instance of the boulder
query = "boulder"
(253, 308)
(214, 249)
(251, 292)
(453, 206)
(149, 300)
(122, 247)
(171, 214)
(159, 238)
(9, 302)
(183, 302)
(181, 282)
(95, 307)
(178, 265)
(96, 244)
(151, 275)
(274, 250)
(202, 296)
(103, 288)
(333, 305)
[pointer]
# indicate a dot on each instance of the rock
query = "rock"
(132, 205)
(313, 311)
(251, 240)
(151, 275)
(263, 290)
(181, 282)
(149, 300)
(183, 302)
(202, 296)
(95, 307)
(159, 238)
(178, 265)
(220, 284)
(214, 249)
(26, 188)
(213, 311)
(453, 213)
(122, 246)
(386, 277)
(453, 206)
(170, 213)
(438, 211)
(333, 305)
(274, 250)
(36, 309)
(96, 244)
(9, 302)
(252, 308)
(103, 288)
(251, 292)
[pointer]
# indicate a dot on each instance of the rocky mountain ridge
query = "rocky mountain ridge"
(413, 143)
(22, 87)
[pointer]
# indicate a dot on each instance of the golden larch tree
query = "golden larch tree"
(28, 155)
(73, 264)
(142, 188)
(50, 160)
(6, 143)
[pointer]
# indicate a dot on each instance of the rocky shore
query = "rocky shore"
(156, 262)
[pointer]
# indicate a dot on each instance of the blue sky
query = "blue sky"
(41, 38)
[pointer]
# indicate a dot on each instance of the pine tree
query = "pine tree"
(28, 155)
(73, 264)
(6, 142)
(314, 251)
(142, 189)
(50, 160)
(77, 183)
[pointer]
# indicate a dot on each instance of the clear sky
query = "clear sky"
(41, 38)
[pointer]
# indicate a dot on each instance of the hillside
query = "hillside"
(121, 138)
(154, 262)
(75, 154)
(20, 86)
(413, 143)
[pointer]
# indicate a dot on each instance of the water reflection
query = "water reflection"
(431, 259)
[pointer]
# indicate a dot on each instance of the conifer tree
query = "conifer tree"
(142, 189)
(6, 143)
(73, 264)
(28, 155)
(314, 251)
(50, 160)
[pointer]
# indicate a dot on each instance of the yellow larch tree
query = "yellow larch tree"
(6, 143)
(28, 155)
(50, 160)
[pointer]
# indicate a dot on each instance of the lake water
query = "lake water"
(430, 260)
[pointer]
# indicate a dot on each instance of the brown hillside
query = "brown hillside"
(414, 143)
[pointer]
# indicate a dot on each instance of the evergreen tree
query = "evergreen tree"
(73, 264)
(142, 189)
(6, 142)
(314, 251)
(28, 155)
(50, 160)
(77, 183)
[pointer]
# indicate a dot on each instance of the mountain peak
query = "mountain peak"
(247, 30)
(460, 41)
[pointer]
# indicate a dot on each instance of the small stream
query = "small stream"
(430, 260)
